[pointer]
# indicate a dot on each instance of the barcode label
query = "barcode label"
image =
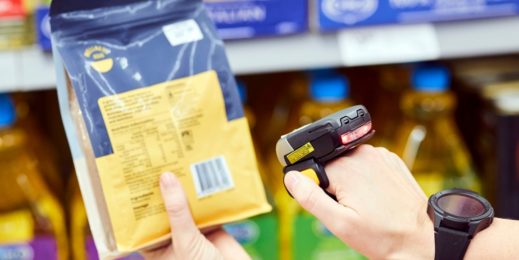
(211, 176)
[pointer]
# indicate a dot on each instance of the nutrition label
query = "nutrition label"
(150, 130)
(181, 127)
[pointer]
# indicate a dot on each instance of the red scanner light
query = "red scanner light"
(356, 134)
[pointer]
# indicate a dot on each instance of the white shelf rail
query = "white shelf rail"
(29, 69)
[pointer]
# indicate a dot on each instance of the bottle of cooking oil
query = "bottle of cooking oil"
(393, 81)
(257, 235)
(26, 119)
(242, 89)
(429, 141)
(251, 119)
(81, 241)
(284, 118)
(32, 225)
(329, 93)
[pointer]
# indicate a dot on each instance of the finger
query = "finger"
(335, 169)
(312, 198)
(227, 245)
(183, 227)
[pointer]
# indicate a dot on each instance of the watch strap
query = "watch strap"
(450, 244)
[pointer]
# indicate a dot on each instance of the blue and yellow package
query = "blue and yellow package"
(144, 88)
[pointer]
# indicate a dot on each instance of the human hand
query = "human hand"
(187, 240)
(381, 210)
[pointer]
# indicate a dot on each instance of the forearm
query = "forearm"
(499, 241)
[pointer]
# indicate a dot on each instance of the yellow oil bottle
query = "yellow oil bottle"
(429, 141)
(32, 225)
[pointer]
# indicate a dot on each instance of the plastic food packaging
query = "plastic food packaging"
(145, 88)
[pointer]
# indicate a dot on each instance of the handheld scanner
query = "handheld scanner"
(310, 147)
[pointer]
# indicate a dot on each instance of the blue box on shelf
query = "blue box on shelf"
(242, 19)
(43, 28)
(336, 14)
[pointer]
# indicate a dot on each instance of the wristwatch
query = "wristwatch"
(458, 215)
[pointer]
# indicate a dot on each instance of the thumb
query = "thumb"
(183, 227)
(312, 198)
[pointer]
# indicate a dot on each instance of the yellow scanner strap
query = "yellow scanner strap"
(310, 173)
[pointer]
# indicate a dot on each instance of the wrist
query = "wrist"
(426, 244)
(419, 242)
(492, 238)
(422, 243)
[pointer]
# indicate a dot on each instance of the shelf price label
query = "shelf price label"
(388, 44)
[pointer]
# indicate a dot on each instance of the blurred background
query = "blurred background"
(440, 78)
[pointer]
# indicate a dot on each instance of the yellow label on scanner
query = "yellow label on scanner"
(300, 153)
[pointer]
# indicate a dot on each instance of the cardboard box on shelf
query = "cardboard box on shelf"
(337, 14)
(258, 18)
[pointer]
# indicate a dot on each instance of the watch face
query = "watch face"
(461, 206)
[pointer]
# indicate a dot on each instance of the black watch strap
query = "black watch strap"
(450, 244)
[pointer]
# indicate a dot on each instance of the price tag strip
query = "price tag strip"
(388, 44)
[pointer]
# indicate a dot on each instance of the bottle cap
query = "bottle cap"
(7, 111)
(320, 73)
(431, 79)
(331, 88)
(243, 92)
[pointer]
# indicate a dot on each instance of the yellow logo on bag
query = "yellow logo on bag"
(99, 58)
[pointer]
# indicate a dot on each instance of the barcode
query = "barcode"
(211, 176)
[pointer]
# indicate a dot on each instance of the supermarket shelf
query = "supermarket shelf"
(25, 70)
(284, 54)
(455, 40)
(29, 69)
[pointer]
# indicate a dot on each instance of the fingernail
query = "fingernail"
(291, 179)
(166, 180)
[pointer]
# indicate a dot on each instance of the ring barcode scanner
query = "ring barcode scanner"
(310, 147)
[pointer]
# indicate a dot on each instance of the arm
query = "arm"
(499, 241)
(381, 210)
